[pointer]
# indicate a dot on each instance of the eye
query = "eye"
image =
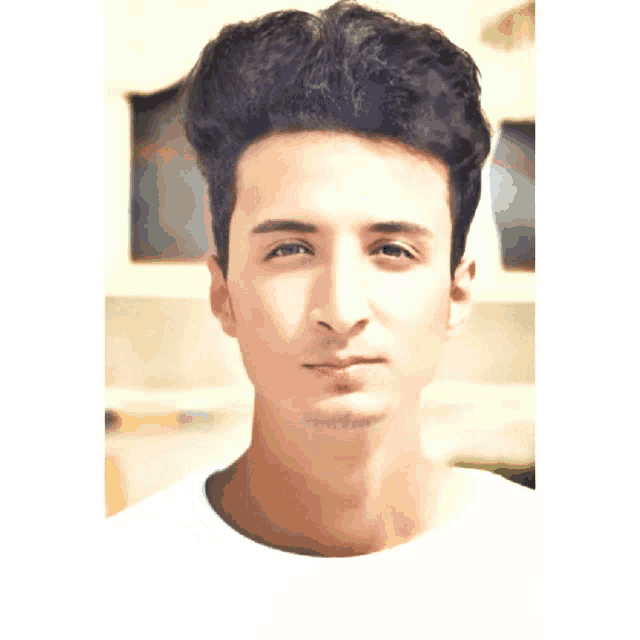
(393, 251)
(289, 249)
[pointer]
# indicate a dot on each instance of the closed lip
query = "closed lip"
(343, 363)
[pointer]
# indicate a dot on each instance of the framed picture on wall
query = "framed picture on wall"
(512, 185)
(170, 217)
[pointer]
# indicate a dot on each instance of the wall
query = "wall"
(178, 344)
(151, 45)
(162, 339)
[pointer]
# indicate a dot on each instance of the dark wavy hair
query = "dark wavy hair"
(351, 69)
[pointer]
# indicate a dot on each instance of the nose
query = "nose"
(340, 299)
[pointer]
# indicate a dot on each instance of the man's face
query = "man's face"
(338, 282)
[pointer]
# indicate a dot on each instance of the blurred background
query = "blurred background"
(177, 396)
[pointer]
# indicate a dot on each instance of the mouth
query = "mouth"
(348, 375)
(336, 364)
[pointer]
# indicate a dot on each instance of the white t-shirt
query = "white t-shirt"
(177, 570)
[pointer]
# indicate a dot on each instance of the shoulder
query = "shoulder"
(164, 549)
(166, 517)
(499, 505)
(492, 487)
(499, 536)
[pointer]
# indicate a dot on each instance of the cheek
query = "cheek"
(271, 312)
(420, 304)
(419, 315)
(285, 301)
(270, 315)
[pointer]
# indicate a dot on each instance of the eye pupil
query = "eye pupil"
(293, 249)
(288, 249)
(395, 251)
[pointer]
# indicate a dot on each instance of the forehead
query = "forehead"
(339, 177)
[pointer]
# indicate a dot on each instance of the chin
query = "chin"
(349, 411)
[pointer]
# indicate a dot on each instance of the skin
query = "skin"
(336, 466)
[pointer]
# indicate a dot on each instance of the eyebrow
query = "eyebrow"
(274, 226)
(400, 227)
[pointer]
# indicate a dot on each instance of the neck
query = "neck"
(333, 491)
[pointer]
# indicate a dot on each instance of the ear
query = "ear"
(460, 297)
(219, 298)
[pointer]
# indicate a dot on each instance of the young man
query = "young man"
(343, 156)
